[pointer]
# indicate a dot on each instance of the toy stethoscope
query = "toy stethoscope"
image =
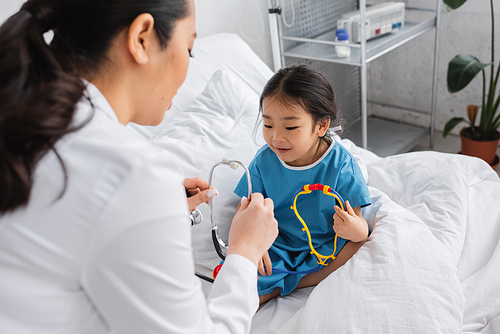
(221, 247)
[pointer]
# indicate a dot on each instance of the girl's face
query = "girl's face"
(291, 133)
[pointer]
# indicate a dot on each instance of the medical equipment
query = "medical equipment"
(379, 19)
(241, 14)
(342, 37)
(275, 8)
(195, 216)
(219, 244)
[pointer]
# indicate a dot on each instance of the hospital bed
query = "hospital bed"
(432, 263)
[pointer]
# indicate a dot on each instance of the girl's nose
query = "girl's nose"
(278, 136)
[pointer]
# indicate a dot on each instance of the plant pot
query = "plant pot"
(485, 150)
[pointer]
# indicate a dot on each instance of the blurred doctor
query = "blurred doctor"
(94, 229)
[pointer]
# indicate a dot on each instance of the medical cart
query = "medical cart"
(303, 32)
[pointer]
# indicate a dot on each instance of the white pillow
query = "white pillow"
(219, 124)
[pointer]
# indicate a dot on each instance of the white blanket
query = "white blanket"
(432, 264)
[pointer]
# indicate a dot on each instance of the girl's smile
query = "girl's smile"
(282, 150)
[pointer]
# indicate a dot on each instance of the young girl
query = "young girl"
(298, 107)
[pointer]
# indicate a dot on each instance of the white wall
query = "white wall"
(247, 18)
(9, 7)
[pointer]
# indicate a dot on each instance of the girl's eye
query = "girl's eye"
(190, 53)
(268, 126)
(292, 127)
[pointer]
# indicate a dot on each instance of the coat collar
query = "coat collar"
(98, 100)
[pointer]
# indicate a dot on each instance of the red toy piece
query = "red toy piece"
(216, 270)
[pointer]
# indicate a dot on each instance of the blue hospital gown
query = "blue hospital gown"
(275, 179)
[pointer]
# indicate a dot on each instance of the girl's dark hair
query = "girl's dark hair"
(40, 83)
(305, 86)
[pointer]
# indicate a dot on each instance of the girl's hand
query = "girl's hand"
(197, 192)
(265, 261)
(350, 225)
(254, 228)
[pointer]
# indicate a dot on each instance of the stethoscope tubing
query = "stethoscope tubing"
(299, 272)
(219, 244)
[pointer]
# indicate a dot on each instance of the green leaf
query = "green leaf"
(461, 70)
(453, 4)
(451, 125)
(496, 121)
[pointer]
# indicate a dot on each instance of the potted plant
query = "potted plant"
(461, 70)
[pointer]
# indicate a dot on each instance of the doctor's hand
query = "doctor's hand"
(254, 228)
(350, 225)
(197, 192)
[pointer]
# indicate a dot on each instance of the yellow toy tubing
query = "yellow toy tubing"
(307, 189)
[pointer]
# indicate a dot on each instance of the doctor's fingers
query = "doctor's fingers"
(201, 197)
(264, 207)
(252, 232)
(269, 204)
(195, 183)
(258, 199)
(244, 202)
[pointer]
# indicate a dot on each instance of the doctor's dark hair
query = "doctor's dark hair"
(305, 86)
(40, 83)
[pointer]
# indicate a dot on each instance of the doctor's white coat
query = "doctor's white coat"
(113, 254)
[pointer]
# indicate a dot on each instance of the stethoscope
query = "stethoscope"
(219, 244)
(196, 216)
(221, 247)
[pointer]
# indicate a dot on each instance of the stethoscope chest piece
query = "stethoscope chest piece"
(196, 217)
